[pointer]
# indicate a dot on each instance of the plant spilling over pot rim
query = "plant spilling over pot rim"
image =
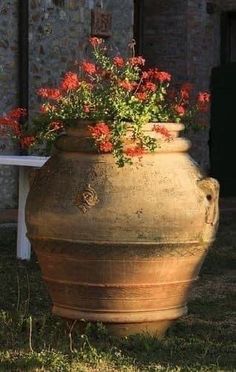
(117, 95)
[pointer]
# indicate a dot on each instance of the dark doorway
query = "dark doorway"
(228, 37)
(223, 114)
(223, 127)
(138, 25)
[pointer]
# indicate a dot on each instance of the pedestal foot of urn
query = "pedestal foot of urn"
(156, 328)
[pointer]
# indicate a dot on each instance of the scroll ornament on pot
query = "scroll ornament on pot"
(87, 199)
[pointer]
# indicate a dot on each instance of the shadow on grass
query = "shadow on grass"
(32, 339)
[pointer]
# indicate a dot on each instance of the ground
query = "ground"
(31, 339)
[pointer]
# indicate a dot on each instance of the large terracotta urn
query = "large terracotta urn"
(121, 246)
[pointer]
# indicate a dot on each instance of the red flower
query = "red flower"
(154, 73)
(137, 61)
(203, 100)
(27, 141)
(105, 146)
(180, 110)
(135, 151)
(17, 113)
(145, 75)
(163, 76)
(142, 96)
(11, 120)
(70, 81)
(185, 90)
(95, 41)
(127, 85)
(203, 97)
(118, 61)
(89, 68)
(5, 120)
(99, 130)
(101, 133)
(50, 93)
(162, 130)
(150, 86)
(56, 126)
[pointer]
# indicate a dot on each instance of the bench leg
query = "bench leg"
(23, 244)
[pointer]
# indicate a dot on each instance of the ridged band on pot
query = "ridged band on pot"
(121, 245)
(122, 284)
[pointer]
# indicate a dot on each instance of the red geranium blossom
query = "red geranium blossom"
(154, 73)
(162, 130)
(180, 110)
(163, 76)
(203, 100)
(89, 68)
(105, 146)
(127, 85)
(12, 124)
(142, 96)
(56, 126)
(135, 151)
(99, 130)
(11, 120)
(118, 61)
(203, 97)
(94, 41)
(70, 81)
(17, 113)
(150, 86)
(137, 61)
(185, 90)
(51, 93)
(145, 75)
(27, 141)
(5, 120)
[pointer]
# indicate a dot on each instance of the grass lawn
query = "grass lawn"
(31, 339)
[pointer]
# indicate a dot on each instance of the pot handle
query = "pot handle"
(211, 188)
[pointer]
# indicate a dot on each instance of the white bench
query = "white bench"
(23, 162)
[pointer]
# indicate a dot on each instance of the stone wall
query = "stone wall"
(164, 41)
(58, 35)
(8, 54)
(8, 94)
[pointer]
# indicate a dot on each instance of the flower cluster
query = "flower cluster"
(37, 138)
(102, 136)
(10, 126)
(119, 96)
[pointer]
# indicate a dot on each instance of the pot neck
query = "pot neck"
(78, 137)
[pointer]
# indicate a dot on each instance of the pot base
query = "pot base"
(156, 328)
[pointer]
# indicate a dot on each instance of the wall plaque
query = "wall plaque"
(101, 22)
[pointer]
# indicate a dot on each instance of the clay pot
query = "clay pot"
(121, 246)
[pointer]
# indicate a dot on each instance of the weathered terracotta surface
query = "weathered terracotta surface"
(121, 245)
